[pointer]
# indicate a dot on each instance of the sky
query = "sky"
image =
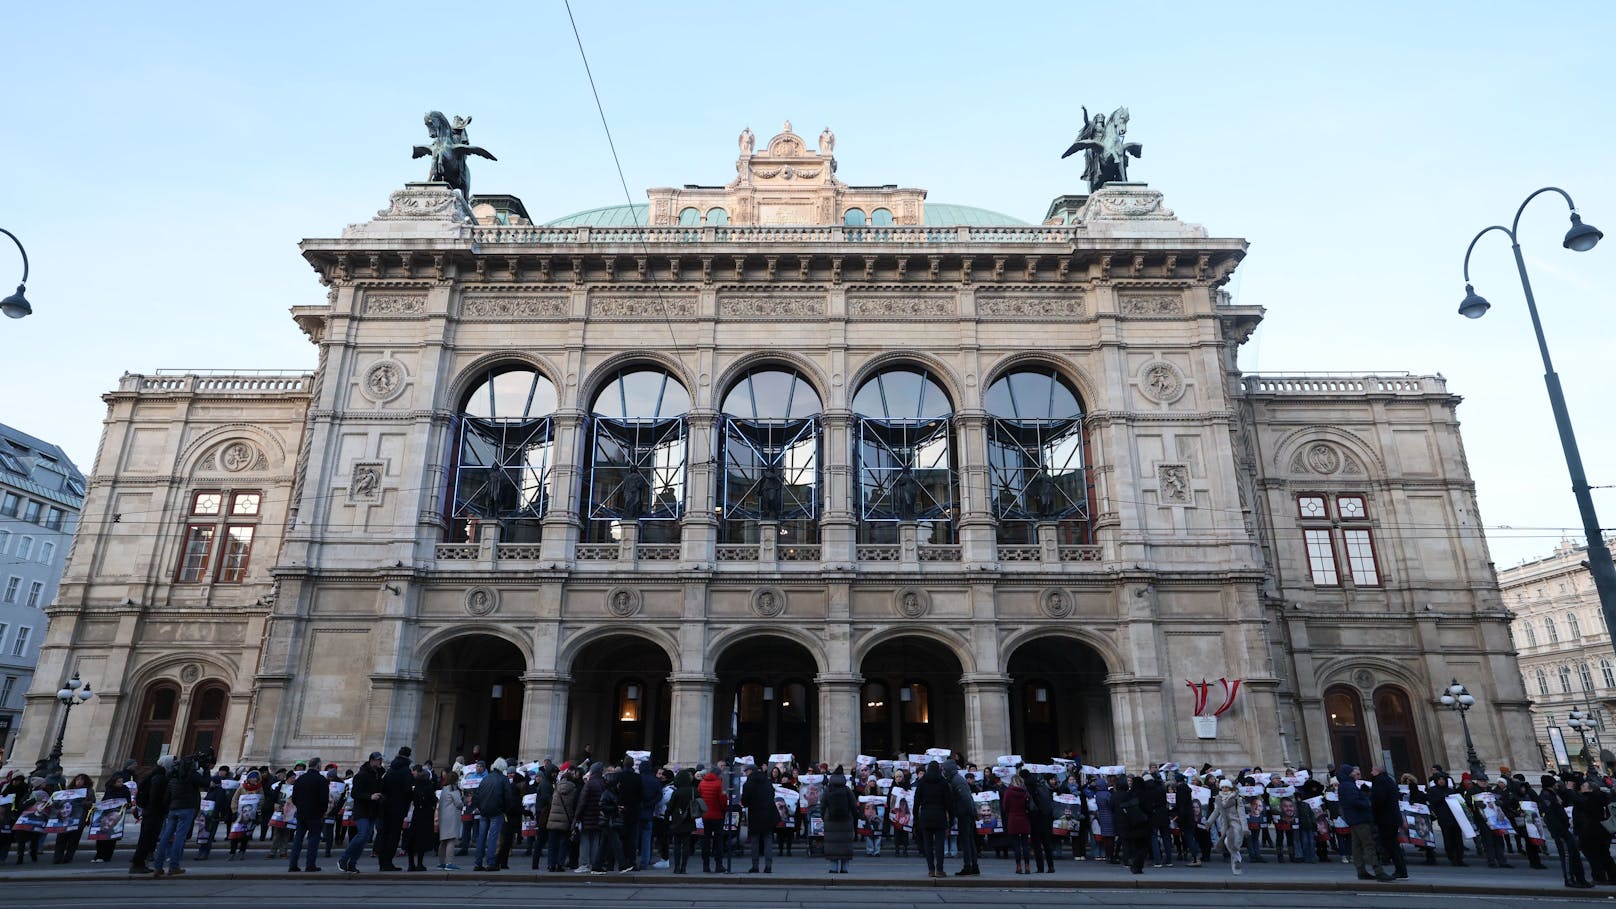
(166, 159)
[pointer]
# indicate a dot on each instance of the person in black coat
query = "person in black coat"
(1587, 815)
(1133, 824)
(421, 839)
(1383, 805)
(366, 795)
(310, 796)
(757, 797)
(152, 800)
(630, 793)
(398, 787)
(1552, 803)
(1153, 799)
(1188, 829)
(114, 789)
(933, 804)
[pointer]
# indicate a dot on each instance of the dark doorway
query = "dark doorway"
(620, 699)
(766, 691)
(1395, 720)
(912, 699)
(472, 699)
(1349, 740)
(1059, 703)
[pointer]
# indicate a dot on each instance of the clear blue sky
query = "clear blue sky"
(164, 160)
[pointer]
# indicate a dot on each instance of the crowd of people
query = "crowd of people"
(590, 816)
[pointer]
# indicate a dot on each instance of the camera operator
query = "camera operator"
(186, 781)
(151, 798)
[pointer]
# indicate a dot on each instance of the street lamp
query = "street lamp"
(1580, 238)
(1584, 724)
(75, 693)
(1459, 698)
(16, 306)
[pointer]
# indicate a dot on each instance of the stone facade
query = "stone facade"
(1565, 649)
(385, 604)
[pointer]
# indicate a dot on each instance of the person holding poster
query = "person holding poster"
(1551, 803)
(932, 803)
(1587, 815)
(69, 817)
(1440, 798)
(449, 803)
(1013, 804)
(1384, 798)
(1133, 824)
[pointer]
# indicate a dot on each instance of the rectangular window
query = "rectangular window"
(245, 503)
(207, 503)
(1321, 557)
(20, 647)
(237, 547)
(10, 505)
(47, 552)
(1361, 558)
(54, 518)
(3, 627)
(1310, 507)
(32, 511)
(5, 541)
(25, 548)
(1351, 508)
(194, 557)
(35, 591)
(6, 688)
(13, 584)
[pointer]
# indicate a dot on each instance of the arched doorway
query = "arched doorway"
(1059, 704)
(154, 727)
(472, 700)
(766, 690)
(209, 703)
(1394, 719)
(620, 699)
(912, 699)
(1349, 740)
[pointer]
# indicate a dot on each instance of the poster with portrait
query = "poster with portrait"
(246, 815)
(106, 820)
(67, 810)
(786, 801)
(285, 815)
(1493, 816)
(202, 824)
(1068, 815)
(1416, 825)
(872, 815)
(8, 812)
(1532, 820)
(903, 808)
(1285, 814)
(530, 814)
(1461, 814)
(33, 815)
(988, 816)
(813, 789)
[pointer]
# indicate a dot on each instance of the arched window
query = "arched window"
(503, 451)
(1573, 626)
(209, 703)
(1394, 718)
(1548, 627)
(903, 452)
(689, 217)
(717, 217)
(1344, 713)
(770, 455)
(881, 217)
(158, 711)
(1035, 456)
(853, 217)
(875, 726)
(1585, 676)
(1531, 635)
(1542, 683)
(1565, 679)
(637, 460)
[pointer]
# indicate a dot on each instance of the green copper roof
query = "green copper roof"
(938, 214)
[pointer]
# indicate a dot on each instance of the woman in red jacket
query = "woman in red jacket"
(1013, 803)
(711, 791)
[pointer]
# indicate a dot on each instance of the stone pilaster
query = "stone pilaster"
(563, 522)
(838, 527)
(987, 716)
(544, 716)
(690, 724)
(975, 521)
(699, 528)
(838, 716)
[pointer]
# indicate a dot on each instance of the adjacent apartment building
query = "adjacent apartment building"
(41, 494)
(1565, 650)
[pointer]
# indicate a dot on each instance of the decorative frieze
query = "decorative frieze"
(1014, 307)
(905, 306)
(750, 306)
(501, 306)
(642, 306)
(1163, 304)
(393, 304)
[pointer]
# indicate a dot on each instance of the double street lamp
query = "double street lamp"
(16, 306)
(1579, 238)
(1459, 698)
(1584, 724)
(73, 694)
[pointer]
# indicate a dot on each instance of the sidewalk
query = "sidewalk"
(888, 871)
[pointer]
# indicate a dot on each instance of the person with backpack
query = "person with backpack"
(684, 807)
(185, 784)
(839, 808)
(609, 854)
(964, 808)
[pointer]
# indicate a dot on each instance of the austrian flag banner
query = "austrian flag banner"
(1206, 725)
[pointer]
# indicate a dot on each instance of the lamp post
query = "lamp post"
(1579, 238)
(16, 306)
(1584, 723)
(75, 693)
(1459, 698)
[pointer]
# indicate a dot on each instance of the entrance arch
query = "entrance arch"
(209, 704)
(766, 688)
(912, 698)
(1394, 719)
(472, 698)
(155, 727)
(620, 699)
(1343, 712)
(1059, 703)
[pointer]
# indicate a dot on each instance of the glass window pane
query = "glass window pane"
(854, 217)
(1342, 709)
(1360, 557)
(207, 503)
(516, 393)
(1310, 506)
(237, 549)
(1321, 557)
(245, 503)
(881, 218)
(717, 216)
(194, 557)
(689, 217)
(901, 395)
(642, 394)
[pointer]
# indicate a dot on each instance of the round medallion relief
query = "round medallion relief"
(1323, 459)
(1160, 381)
(383, 381)
(1364, 679)
(237, 456)
(911, 602)
(1057, 604)
(481, 601)
(190, 673)
(768, 602)
(623, 602)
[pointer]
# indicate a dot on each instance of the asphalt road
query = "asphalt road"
(347, 894)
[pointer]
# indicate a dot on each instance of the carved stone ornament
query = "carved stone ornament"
(481, 601)
(1364, 679)
(426, 201)
(383, 381)
(1322, 458)
(394, 304)
(366, 483)
(1063, 307)
(1173, 484)
(1160, 381)
(911, 602)
(1116, 202)
(237, 456)
(189, 673)
(768, 602)
(905, 307)
(760, 307)
(623, 602)
(642, 306)
(1055, 603)
(1151, 304)
(495, 306)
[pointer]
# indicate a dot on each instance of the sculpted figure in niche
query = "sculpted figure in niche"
(1105, 148)
(906, 494)
(622, 603)
(1161, 381)
(366, 481)
(383, 379)
(1042, 495)
(748, 142)
(635, 491)
(1175, 482)
(771, 493)
(1054, 603)
(827, 142)
(767, 604)
(478, 602)
(909, 604)
(236, 456)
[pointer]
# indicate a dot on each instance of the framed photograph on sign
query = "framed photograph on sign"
(1557, 742)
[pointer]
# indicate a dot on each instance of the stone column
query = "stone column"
(699, 530)
(768, 544)
(690, 721)
(838, 716)
(544, 716)
(838, 526)
(563, 521)
(1049, 542)
(987, 716)
(976, 525)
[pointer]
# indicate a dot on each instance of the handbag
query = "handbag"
(698, 807)
(1609, 823)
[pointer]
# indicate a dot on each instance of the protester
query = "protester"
(421, 838)
(186, 781)
(840, 809)
(562, 818)
(366, 794)
(491, 799)
(710, 790)
(449, 806)
(757, 797)
(310, 797)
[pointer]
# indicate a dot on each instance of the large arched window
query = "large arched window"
(1608, 673)
(503, 452)
(1565, 679)
(1349, 740)
(904, 455)
(1542, 683)
(209, 703)
(1573, 626)
(770, 454)
(1586, 676)
(875, 719)
(1035, 456)
(637, 456)
(1548, 628)
(1531, 635)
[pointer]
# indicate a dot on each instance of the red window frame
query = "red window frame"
(185, 572)
(1335, 527)
(222, 562)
